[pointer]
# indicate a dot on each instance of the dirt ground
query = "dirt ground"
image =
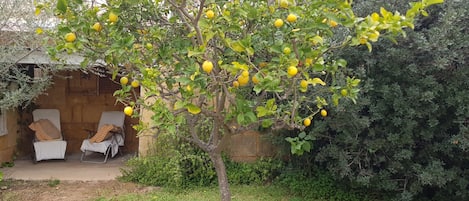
(55, 190)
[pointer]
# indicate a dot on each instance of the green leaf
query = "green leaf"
(335, 99)
(191, 53)
(193, 109)
(261, 111)
(306, 146)
(267, 123)
(251, 117)
(237, 46)
(178, 105)
(240, 119)
(431, 2)
(342, 62)
(62, 6)
(302, 135)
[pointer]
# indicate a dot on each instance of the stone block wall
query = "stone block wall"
(8, 141)
(248, 146)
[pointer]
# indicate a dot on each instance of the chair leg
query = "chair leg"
(106, 156)
(34, 158)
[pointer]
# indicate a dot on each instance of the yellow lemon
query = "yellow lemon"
(113, 17)
(207, 66)
(124, 80)
(304, 84)
(292, 18)
(243, 80)
(307, 122)
(128, 111)
(235, 84)
(286, 50)
(70, 37)
(245, 73)
(210, 14)
(292, 71)
(324, 113)
(97, 27)
(278, 23)
(135, 84)
(283, 4)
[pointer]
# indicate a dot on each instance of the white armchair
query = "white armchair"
(107, 139)
(54, 147)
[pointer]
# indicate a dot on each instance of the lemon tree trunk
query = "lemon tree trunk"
(220, 168)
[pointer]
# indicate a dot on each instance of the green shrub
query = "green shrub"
(53, 182)
(196, 170)
(260, 172)
(320, 186)
(408, 132)
(153, 170)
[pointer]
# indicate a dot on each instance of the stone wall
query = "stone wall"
(8, 141)
(248, 146)
(81, 98)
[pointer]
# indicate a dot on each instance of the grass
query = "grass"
(238, 193)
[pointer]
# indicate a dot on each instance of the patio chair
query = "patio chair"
(107, 139)
(48, 142)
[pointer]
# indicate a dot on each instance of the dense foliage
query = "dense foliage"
(408, 132)
(181, 166)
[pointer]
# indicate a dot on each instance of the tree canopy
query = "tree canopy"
(211, 68)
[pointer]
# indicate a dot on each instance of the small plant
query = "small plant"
(8, 164)
(53, 182)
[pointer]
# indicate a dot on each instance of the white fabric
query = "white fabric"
(54, 149)
(114, 142)
(50, 150)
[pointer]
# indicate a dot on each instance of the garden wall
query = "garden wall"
(8, 141)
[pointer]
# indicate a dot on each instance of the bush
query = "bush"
(320, 185)
(154, 171)
(408, 132)
(185, 166)
(260, 172)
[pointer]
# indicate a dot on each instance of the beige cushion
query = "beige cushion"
(45, 130)
(104, 133)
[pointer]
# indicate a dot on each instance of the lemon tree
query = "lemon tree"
(196, 61)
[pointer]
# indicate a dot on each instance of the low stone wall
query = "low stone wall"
(249, 146)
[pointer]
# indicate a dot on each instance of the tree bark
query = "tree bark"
(220, 168)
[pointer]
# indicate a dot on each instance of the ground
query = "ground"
(54, 190)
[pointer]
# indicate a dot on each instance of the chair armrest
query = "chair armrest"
(90, 132)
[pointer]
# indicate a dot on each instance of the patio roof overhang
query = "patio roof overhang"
(40, 57)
